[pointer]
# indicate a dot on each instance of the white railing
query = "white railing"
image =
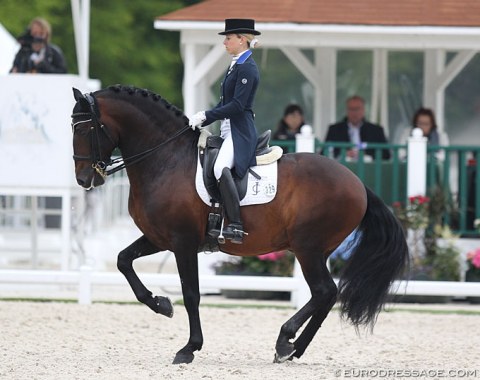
(84, 279)
(113, 204)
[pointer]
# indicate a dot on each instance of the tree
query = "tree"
(124, 46)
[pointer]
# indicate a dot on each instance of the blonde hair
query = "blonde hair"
(44, 24)
(251, 39)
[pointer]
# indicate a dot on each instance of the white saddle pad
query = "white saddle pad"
(259, 191)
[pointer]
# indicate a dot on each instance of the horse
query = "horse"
(318, 204)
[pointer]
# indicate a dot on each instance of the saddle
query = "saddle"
(209, 155)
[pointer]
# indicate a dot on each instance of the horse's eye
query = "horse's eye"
(82, 130)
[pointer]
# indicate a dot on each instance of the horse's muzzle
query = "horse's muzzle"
(89, 179)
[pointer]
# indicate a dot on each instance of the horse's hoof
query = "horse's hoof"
(183, 358)
(283, 358)
(163, 306)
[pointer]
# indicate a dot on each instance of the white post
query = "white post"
(81, 26)
(189, 88)
(417, 164)
(85, 285)
(302, 294)
(325, 98)
(305, 140)
(85, 38)
(66, 226)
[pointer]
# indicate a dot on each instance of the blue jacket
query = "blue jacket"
(238, 90)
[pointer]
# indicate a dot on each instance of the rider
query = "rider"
(238, 90)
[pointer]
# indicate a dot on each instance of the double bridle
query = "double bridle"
(96, 128)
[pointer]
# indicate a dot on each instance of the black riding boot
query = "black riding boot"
(231, 202)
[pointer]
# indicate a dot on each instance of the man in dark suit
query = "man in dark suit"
(355, 129)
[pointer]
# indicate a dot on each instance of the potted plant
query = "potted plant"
(414, 217)
(473, 266)
(434, 255)
(270, 264)
(473, 262)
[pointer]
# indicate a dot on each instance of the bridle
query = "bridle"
(96, 129)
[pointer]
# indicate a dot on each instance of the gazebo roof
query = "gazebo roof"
(464, 13)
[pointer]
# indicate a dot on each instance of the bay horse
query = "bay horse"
(318, 204)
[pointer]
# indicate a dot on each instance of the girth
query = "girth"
(209, 156)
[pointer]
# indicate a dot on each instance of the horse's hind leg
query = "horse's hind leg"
(323, 298)
(302, 342)
(142, 247)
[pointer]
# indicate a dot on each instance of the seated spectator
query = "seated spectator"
(356, 130)
(424, 119)
(290, 124)
(37, 54)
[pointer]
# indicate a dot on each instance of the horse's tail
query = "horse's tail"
(379, 257)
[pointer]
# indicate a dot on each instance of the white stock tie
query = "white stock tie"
(234, 60)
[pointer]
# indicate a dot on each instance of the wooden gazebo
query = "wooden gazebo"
(325, 26)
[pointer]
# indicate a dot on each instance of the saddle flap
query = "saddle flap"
(210, 155)
(262, 143)
(213, 145)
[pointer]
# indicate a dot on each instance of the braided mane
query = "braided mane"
(145, 93)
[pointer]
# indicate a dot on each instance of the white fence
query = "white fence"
(114, 201)
(85, 278)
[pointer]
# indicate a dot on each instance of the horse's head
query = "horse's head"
(92, 143)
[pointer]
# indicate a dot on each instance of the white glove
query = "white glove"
(197, 119)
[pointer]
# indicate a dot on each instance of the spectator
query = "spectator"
(290, 124)
(355, 129)
(424, 119)
(37, 54)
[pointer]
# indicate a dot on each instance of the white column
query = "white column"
(81, 27)
(417, 164)
(325, 106)
(379, 102)
(434, 64)
(199, 61)
(189, 105)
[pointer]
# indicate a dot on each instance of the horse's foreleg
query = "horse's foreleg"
(139, 248)
(324, 292)
(187, 264)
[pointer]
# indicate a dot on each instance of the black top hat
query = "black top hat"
(240, 25)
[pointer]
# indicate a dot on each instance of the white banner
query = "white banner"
(35, 133)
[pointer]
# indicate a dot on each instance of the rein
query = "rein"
(140, 156)
(95, 157)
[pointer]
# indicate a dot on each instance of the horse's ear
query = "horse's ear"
(77, 94)
(81, 100)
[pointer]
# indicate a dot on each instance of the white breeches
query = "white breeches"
(225, 157)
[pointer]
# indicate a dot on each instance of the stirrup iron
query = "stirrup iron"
(221, 238)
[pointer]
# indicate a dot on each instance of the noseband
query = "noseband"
(96, 128)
